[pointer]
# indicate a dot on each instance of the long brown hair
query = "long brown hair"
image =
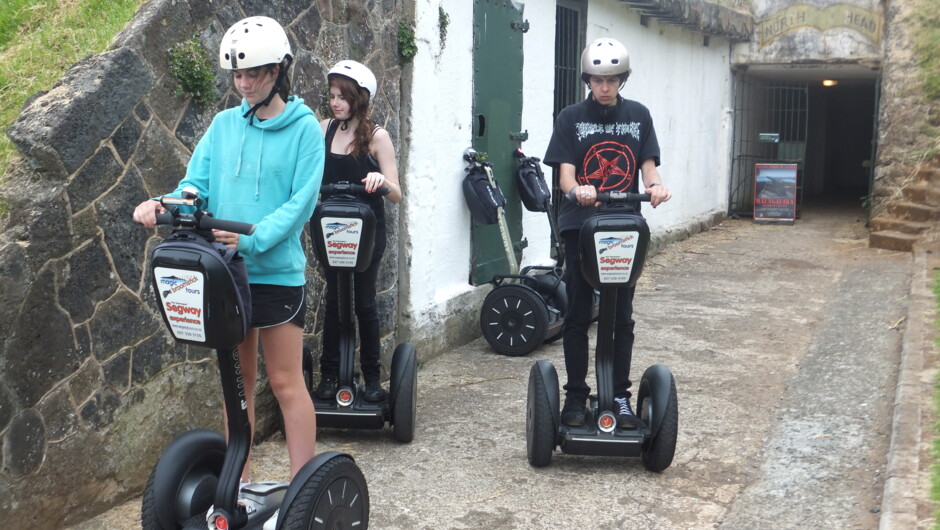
(358, 99)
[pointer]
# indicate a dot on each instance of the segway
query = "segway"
(203, 292)
(617, 241)
(527, 309)
(343, 233)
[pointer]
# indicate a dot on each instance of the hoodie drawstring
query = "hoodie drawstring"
(258, 173)
(241, 147)
(238, 163)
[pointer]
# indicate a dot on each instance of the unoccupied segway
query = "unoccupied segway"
(200, 286)
(618, 242)
(343, 233)
(526, 309)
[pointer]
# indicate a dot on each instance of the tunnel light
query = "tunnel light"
(830, 82)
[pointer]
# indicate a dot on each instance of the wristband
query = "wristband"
(652, 185)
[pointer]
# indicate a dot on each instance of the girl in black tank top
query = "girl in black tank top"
(359, 152)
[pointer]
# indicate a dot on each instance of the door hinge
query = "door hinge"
(519, 136)
(520, 26)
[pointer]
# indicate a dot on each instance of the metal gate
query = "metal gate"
(569, 38)
(770, 126)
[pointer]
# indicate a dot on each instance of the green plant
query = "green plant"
(866, 201)
(927, 47)
(407, 48)
(935, 443)
(190, 64)
(443, 20)
(323, 109)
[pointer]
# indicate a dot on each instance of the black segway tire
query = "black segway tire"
(514, 320)
(334, 496)
(182, 484)
(553, 291)
(403, 392)
(540, 428)
(659, 450)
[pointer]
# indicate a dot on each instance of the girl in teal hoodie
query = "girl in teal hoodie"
(262, 163)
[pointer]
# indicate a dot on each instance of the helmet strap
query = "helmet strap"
(275, 90)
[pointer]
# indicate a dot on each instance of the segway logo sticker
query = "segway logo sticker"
(615, 255)
(182, 302)
(341, 241)
(338, 228)
(611, 242)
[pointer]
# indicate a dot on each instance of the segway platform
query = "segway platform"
(202, 289)
(617, 240)
(343, 232)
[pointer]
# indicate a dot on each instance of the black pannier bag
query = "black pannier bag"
(202, 288)
(530, 181)
(483, 199)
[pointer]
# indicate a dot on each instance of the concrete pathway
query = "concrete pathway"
(785, 342)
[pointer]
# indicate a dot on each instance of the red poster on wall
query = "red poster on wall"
(775, 193)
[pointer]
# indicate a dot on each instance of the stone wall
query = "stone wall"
(91, 385)
(904, 113)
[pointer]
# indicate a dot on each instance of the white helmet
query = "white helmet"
(251, 42)
(604, 57)
(358, 72)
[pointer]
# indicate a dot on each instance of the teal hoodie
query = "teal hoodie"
(267, 173)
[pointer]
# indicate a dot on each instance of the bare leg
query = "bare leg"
(283, 351)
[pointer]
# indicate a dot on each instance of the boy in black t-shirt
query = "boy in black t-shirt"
(600, 144)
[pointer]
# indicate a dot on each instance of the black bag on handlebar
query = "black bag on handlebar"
(530, 181)
(483, 199)
(202, 288)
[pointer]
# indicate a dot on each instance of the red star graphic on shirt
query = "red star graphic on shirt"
(609, 166)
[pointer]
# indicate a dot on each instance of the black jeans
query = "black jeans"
(578, 321)
(367, 316)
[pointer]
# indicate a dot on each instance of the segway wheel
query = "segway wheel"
(334, 496)
(403, 390)
(182, 484)
(540, 429)
(553, 292)
(514, 320)
(660, 449)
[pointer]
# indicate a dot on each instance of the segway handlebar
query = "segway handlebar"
(608, 197)
(200, 219)
(348, 188)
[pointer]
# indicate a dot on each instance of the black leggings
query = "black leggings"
(578, 321)
(367, 316)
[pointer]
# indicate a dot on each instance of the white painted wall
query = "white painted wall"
(687, 87)
(685, 84)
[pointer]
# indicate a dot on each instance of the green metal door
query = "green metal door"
(497, 118)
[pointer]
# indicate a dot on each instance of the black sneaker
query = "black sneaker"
(572, 414)
(373, 392)
(626, 419)
(327, 387)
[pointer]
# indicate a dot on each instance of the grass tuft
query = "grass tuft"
(927, 47)
(935, 445)
(40, 40)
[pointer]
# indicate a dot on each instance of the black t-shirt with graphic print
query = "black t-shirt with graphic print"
(606, 146)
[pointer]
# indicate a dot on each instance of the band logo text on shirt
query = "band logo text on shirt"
(585, 129)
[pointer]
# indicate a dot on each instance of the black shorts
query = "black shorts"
(273, 305)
